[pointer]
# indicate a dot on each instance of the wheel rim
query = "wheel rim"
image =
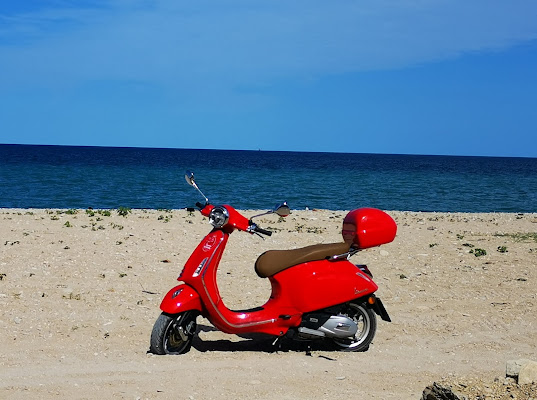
(179, 334)
(361, 318)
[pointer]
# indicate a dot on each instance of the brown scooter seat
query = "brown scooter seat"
(273, 261)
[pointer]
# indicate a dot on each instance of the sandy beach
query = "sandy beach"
(80, 291)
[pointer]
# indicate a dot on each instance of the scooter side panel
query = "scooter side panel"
(181, 298)
(319, 284)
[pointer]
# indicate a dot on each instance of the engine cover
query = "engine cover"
(339, 326)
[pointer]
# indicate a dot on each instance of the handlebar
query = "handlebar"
(261, 230)
(232, 219)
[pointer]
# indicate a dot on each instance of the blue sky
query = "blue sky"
(384, 76)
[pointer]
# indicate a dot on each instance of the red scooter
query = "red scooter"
(316, 292)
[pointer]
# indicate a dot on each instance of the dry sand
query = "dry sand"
(79, 295)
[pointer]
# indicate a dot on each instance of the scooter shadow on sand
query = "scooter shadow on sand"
(256, 342)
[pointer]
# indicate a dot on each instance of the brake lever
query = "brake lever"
(252, 229)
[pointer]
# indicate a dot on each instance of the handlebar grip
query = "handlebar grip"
(263, 231)
(199, 205)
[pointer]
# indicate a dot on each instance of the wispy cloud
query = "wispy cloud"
(242, 42)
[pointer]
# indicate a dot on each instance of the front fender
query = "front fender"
(181, 298)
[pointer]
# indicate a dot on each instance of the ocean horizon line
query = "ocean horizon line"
(264, 151)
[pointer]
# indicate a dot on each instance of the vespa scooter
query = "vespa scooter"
(317, 293)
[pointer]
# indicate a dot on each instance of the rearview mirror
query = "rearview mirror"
(189, 177)
(282, 210)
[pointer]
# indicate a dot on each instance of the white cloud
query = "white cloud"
(242, 42)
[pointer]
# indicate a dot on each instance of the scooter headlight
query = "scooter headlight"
(219, 216)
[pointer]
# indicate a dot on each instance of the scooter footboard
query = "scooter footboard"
(181, 298)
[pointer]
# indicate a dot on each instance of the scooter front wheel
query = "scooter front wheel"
(366, 320)
(173, 334)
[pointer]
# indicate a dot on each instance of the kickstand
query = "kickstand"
(278, 343)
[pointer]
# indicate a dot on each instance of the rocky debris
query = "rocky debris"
(500, 389)
(477, 389)
(520, 383)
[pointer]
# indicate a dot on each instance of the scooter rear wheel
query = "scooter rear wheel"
(173, 334)
(366, 320)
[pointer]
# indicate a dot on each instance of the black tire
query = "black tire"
(173, 334)
(366, 320)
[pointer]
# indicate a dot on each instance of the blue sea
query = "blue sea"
(110, 177)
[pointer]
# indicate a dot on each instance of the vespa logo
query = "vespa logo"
(209, 243)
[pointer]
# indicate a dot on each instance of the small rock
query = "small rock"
(528, 373)
(440, 392)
